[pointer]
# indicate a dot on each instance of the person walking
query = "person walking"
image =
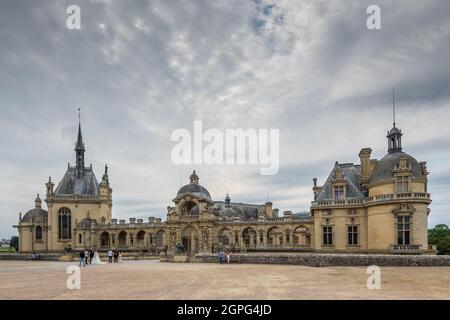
(228, 255)
(86, 256)
(110, 256)
(82, 256)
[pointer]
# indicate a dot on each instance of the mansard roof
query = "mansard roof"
(350, 172)
(87, 184)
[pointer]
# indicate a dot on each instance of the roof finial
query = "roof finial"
(393, 105)
(79, 116)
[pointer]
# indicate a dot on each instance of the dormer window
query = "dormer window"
(339, 192)
(402, 184)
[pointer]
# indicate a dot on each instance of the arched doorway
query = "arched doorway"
(302, 237)
(122, 239)
(160, 239)
(189, 238)
(104, 240)
(275, 237)
(140, 236)
(249, 236)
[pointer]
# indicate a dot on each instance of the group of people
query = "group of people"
(116, 254)
(89, 257)
(224, 254)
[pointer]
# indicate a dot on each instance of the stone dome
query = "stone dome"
(195, 189)
(384, 168)
(37, 214)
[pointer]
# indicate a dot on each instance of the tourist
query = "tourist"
(228, 255)
(91, 255)
(86, 256)
(110, 256)
(82, 261)
(221, 256)
(120, 256)
(116, 256)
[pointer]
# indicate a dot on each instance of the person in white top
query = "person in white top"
(110, 255)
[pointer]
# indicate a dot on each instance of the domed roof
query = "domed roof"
(384, 168)
(196, 189)
(34, 215)
(37, 214)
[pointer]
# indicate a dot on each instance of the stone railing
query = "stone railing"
(372, 199)
(405, 248)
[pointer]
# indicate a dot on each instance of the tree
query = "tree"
(15, 243)
(440, 236)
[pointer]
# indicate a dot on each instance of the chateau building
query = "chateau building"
(376, 206)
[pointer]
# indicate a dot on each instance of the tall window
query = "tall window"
(327, 236)
(338, 192)
(404, 230)
(80, 238)
(64, 224)
(402, 184)
(38, 233)
(352, 235)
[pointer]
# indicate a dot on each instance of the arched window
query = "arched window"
(64, 224)
(140, 237)
(80, 238)
(38, 233)
(160, 238)
(122, 239)
(104, 239)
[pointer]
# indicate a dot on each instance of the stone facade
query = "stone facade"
(376, 206)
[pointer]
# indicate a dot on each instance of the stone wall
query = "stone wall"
(324, 260)
(19, 256)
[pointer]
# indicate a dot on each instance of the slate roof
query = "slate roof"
(352, 173)
(86, 185)
(243, 210)
(384, 167)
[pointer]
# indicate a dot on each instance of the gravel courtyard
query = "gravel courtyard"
(155, 280)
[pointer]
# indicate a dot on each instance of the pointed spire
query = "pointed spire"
(394, 135)
(393, 106)
(79, 149)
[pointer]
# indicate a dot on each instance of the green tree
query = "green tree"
(440, 236)
(15, 243)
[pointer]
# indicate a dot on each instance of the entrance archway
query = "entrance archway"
(190, 240)
(249, 236)
(104, 240)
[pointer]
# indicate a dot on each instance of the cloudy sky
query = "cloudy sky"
(141, 69)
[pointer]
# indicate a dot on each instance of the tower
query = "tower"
(79, 150)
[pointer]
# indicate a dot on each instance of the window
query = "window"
(404, 230)
(402, 184)
(80, 238)
(64, 224)
(338, 192)
(352, 235)
(38, 233)
(327, 236)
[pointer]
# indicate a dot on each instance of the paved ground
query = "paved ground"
(155, 280)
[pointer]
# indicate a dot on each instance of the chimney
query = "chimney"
(366, 167)
(269, 212)
(316, 189)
